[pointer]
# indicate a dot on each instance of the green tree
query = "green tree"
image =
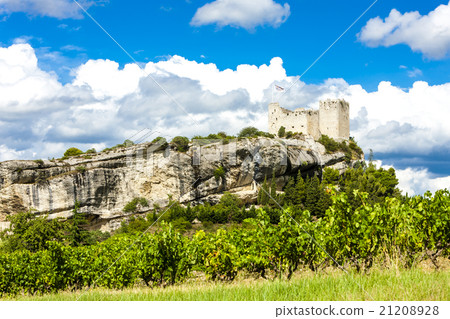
(378, 183)
(289, 192)
(273, 191)
(128, 143)
(76, 227)
(249, 131)
(300, 190)
(263, 197)
(73, 151)
(317, 200)
(28, 232)
(219, 173)
(222, 135)
(281, 131)
(330, 176)
(160, 141)
(231, 205)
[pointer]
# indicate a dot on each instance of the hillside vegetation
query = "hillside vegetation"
(354, 231)
(357, 220)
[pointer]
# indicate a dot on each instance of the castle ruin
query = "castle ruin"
(331, 119)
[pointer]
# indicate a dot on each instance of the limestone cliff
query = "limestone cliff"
(104, 183)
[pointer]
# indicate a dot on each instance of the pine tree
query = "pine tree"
(263, 197)
(312, 195)
(317, 200)
(300, 190)
(273, 191)
(78, 235)
(289, 192)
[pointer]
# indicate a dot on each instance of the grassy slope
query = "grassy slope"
(415, 284)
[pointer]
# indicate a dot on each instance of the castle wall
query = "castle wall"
(344, 121)
(331, 119)
(334, 119)
(313, 124)
(295, 121)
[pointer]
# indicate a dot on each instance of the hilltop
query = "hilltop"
(104, 183)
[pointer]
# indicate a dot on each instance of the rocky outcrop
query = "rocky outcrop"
(104, 183)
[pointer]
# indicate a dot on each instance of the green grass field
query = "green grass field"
(392, 284)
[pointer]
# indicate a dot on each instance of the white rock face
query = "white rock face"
(106, 182)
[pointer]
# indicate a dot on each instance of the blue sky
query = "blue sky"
(393, 66)
(153, 30)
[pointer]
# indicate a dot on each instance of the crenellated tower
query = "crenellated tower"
(334, 119)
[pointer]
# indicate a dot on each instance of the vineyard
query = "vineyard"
(353, 232)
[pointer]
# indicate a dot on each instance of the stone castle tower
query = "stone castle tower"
(331, 119)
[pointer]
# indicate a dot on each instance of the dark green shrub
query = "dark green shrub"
(181, 143)
(330, 176)
(134, 224)
(219, 173)
(331, 145)
(354, 147)
(39, 162)
(132, 206)
(249, 132)
(160, 141)
(127, 143)
(181, 224)
(281, 131)
(81, 169)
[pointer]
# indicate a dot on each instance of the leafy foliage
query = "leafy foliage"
(355, 237)
(204, 140)
(309, 194)
(30, 232)
(81, 169)
(126, 143)
(351, 150)
(161, 141)
(180, 143)
(378, 183)
(219, 173)
(281, 131)
(135, 204)
(39, 162)
(73, 151)
(251, 131)
(359, 218)
(34, 233)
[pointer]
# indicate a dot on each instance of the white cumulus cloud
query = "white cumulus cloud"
(252, 78)
(7, 154)
(21, 80)
(246, 14)
(106, 80)
(428, 34)
(61, 9)
(416, 181)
